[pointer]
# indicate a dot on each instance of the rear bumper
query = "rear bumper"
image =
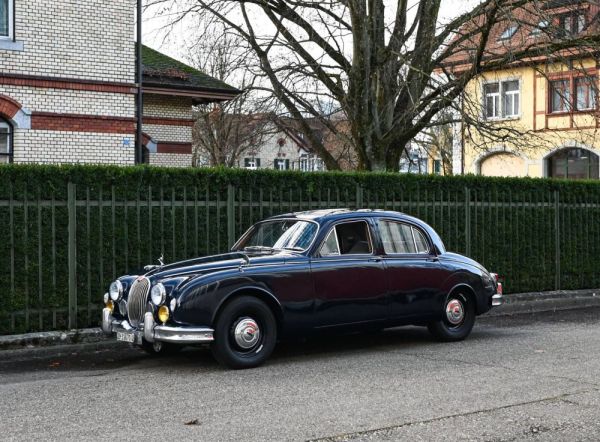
(497, 300)
(152, 332)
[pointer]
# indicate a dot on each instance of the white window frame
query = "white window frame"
(5, 124)
(11, 22)
(500, 94)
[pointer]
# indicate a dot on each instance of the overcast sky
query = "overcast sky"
(180, 38)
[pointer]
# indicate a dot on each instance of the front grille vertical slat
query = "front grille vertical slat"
(136, 303)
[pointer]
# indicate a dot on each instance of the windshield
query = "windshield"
(280, 234)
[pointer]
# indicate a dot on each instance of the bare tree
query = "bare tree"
(437, 140)
(382, 64)
(224, 132)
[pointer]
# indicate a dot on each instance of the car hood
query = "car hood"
(215, 263)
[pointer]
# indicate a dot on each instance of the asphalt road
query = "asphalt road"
(530, 377)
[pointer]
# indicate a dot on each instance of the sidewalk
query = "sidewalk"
(516, 304)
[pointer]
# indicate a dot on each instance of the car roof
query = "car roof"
(324, 215)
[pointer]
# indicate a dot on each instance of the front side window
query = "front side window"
(348, 239)
(502, 99)
(5, 142)
(399, 238)
(279, 235)
(6, 18)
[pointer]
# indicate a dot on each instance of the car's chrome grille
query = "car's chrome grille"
(136, 302)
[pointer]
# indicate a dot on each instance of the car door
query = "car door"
(414, 273)
(349, 279)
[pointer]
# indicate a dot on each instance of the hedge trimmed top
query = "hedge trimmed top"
(50, 180)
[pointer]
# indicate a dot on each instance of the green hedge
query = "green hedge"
(516, 227)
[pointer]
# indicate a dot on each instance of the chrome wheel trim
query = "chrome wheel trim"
(455, 311)
(246, 333)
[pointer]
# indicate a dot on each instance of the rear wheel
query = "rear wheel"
(245, 333)
(457, 321)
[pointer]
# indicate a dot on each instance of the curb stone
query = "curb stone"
(515, 304)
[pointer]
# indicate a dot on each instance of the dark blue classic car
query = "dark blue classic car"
(297, 274)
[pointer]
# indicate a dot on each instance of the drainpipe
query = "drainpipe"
(139, 97)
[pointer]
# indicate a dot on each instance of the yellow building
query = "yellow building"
(539, 118)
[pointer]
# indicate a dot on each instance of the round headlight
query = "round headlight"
(158, 294)
(116, 290)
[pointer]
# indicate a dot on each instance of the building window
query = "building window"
(578, 94)
(575, 164)
(437, 167)
(541, 27)
(310, 163)
(560, 100)
(6, 142)
(585, 93)
(282, 164)
(6, 19)
(414, 161)
(572, 23)
(252, 163)
(502, 99)
(508, 33)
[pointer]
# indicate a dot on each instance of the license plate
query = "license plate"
(126, 337)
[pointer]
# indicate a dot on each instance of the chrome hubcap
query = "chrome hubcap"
(246, 333)
(455, 312)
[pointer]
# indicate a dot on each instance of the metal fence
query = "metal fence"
(60, 254)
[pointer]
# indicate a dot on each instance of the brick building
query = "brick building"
(67, 87)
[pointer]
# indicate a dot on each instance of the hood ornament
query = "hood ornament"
(161, 262)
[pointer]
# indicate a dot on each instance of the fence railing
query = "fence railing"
(60, 253)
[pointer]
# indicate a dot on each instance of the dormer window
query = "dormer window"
(572, 23)
(6, 19)
(508, 33)
(541, 28)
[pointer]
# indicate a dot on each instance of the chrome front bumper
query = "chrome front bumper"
(152, 332)
(497, 300)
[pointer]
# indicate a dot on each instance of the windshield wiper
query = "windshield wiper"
(294, 249)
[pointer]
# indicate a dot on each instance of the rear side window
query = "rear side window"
(401, 238)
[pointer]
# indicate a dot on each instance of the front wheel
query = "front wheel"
(245, 333)
(457, 321)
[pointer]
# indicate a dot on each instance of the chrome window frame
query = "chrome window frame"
(348, 221)
(412, 226)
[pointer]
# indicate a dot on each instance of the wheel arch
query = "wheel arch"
(257, 292)
(467, 290)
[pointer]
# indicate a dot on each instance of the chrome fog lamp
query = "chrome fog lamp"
(158, 294)
(116, 290)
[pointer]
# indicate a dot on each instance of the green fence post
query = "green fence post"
(468, 221)
(359, 196)
(230, 215)
(557, 238)
(72, 253)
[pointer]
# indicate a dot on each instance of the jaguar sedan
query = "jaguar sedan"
(299, 274)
